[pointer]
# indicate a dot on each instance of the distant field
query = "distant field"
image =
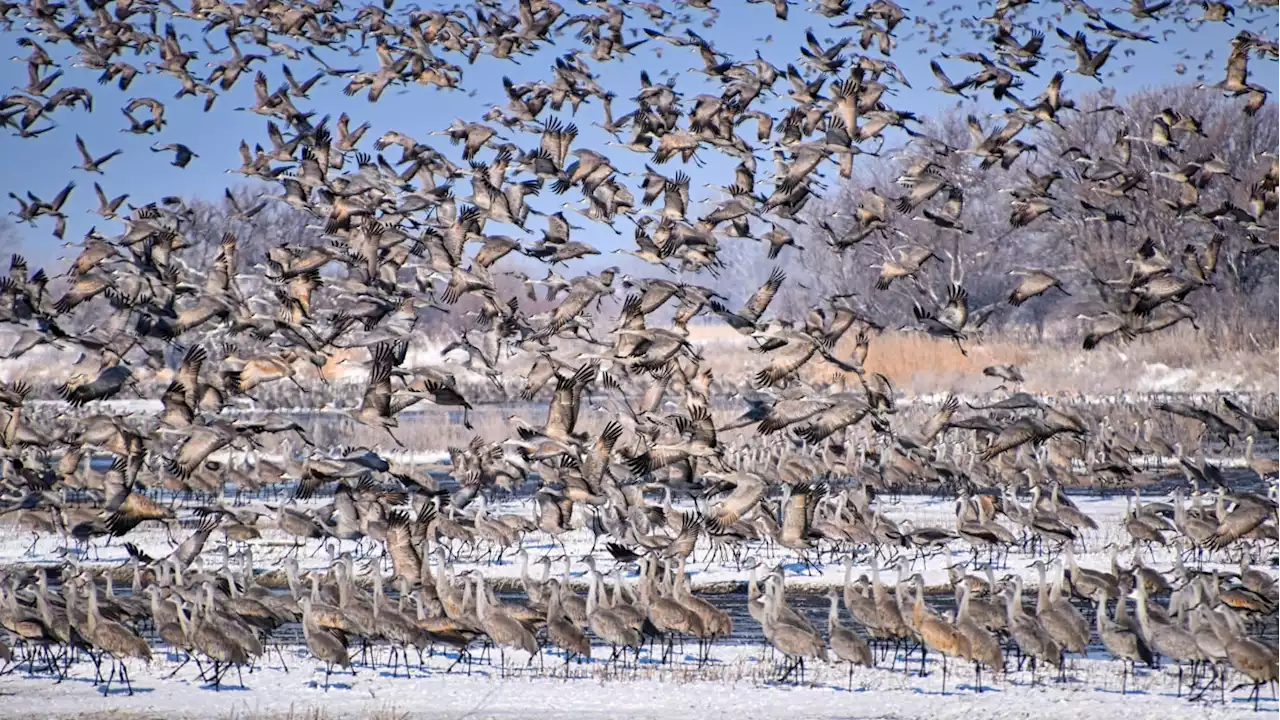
(1175, 361)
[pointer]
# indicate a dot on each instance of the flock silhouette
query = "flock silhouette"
(395, 239)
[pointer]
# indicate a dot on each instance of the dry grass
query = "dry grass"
(907, 359)
(916, 360)
(1177, 360)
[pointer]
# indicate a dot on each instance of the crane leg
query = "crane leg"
(180, 666)
(280, 654)
(106, 690)
(394, 438)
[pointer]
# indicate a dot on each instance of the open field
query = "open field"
(1176, 361)
(723, 574)
(740, 680)
(735, 684)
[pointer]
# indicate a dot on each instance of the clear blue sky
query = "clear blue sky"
(44, 164)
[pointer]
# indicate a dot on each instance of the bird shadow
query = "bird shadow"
(332, 686)
(847, 689)
(125, 691)
(226, 688)
(1113, 691)
(971, 688)
(1263, 704)
(81, 680)
(398, 675)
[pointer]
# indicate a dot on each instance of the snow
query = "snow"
(921, 512)
(737, 683)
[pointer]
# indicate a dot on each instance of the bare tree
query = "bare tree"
(257, 223)
(1085, 228)
(1098, 225)
(10, 238)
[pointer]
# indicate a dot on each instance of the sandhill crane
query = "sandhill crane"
(299, 526)
(608, 625)
(984, 648)
(1059, 617)
(936, 633)
(110, 381)
(977, 534)
(113, 639)
(1121, 640)
(860, 606)
(1247, 515)
(844, 642)
(1212, 648)
(233, 625)
(1264, 467)
(1085, 582)
(784, 613)
(394, 626)
(1248, 656)
(908, 263)
(323, 644)
(170, 624)
(1197, 530)
(667, 615)
(92, 164)
(889, 616)
(405, 561)
(561, 632)
(748, 489)
(1087, 63)
(1033, 284)
(793, 642)
(500, 628)
(629, 606)
(1166, 638)
(210, 641)
(1029, 634)
(716, 623)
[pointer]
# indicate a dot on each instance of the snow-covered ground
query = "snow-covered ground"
(1092, 551)
(738, 683)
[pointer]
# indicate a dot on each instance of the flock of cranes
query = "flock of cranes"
(393, 242)
(225, 616)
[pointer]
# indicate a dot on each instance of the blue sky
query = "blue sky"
(44, 164)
